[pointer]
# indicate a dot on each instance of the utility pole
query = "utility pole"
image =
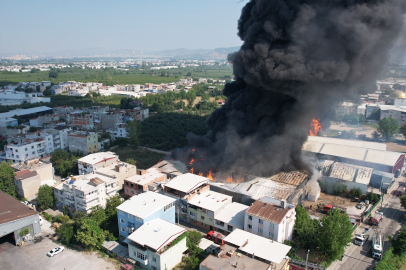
(307, 257)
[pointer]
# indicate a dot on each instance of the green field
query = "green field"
(111, 76)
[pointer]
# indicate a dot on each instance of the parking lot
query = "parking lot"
(34, 257)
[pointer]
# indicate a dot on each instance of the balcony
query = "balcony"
(142, 261)
(72, 199)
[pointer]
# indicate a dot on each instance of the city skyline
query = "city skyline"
(51, 28)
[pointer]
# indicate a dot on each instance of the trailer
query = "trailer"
(376, 218)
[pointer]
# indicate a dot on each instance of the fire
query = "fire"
(192, 170)
(192, 161)
(315, 127)
(210, 175)
(200, 174)
(229, 179)
(193, 149)
(240, 180)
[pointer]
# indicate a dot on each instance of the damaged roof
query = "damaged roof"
(292, 178)
(347, 172)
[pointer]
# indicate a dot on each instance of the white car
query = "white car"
(55, 251)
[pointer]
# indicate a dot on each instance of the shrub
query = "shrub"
(24, 232)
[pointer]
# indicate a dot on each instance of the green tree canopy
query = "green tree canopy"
(53, 74)
(388, 127)
(7, 179)
(47, 92)
(90, 234)
(45, 197)
(399, 244)
(134, 132)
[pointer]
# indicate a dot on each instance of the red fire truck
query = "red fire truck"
(216, 237)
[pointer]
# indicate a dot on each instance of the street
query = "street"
(360, 257)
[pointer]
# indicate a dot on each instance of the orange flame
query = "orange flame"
(229, 179)
(315, 127)
(210, 175)
(193, 149)
(192, 161)
(240, 180)
(200, 174)
(192, 170)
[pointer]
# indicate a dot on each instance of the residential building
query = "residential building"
(118, 171)
(150, 246)
(5, 122)
(230, 218)
(92, 162)
(110, 119)
(345, 108)
(248, 251)
(120, 131)
(204, 207)
(84, 120)
(172, 168)
(142, 209)
(83, 192)
(25, 149)
(44, 119)
(16, 217)
(83, 141)
(140, 182)
(271, 218)
(183, 188)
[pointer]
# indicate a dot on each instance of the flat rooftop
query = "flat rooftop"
(156, 234)
(97, 157)
(171, 167)
(144, 204)
(233, 214)
(12, 209)
(146, 178)
(210, 200)
(187, 182)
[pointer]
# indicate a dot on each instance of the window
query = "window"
(126, 183)
(119, 211)
(203, 224)
(130, 216)
(202, 217)
(17, 156)
(141, 256)
(260, 221)
(153, 259)
(33, 152)
(271, 235)
(32, 147)
(169, 206)
(126, 190)
(271, 225)
(249, 217)
(193, 214)
(132, 192)
(249, 226)
(122, 220)
(153, 268)
(138, 219)
(17, 150)
(27, 148)
(260, 230)
(122, 229)
(230, 228)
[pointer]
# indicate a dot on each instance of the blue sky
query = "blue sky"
(46, 26)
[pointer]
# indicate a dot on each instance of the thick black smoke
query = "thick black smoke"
(299, 59)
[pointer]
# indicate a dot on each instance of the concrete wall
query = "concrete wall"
(78, 144)
(45, 172)
(28, 188)
(171, 257)
(328, 183)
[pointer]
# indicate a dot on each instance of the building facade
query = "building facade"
(85, 142)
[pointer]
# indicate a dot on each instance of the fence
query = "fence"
(372, 209)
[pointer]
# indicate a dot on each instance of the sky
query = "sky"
(48, 26)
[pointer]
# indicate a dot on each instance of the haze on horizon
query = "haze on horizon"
(49, 27)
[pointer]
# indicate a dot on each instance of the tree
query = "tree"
(399, 244)
(122, 142)
(334, 235)
(133, 133)
(131, 161)
(47, 92)
(106, 135)
(356, 192)
(403, 201)
(376, 135)
(403, 130)
(45, 197)
(53, 74)
(7, 179)
(90, 234)
(67, 232)
(397, 86)
(388, 127)
(19, 119)
(306, 229)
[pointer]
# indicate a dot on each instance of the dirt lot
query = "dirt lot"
(312, 207)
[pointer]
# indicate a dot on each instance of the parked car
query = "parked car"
(55, 251)
(360, 205)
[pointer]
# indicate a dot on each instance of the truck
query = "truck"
(360, 239)
(377, 246)
(376, 218)
(216, 237)
(329, 207)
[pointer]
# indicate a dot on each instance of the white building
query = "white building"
(150, 245)
(26, 149)
(271, 218)
(92, 162)
(82, 192)
(120, 131)
(230, 218)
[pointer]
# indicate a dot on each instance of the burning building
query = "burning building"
(298, 61)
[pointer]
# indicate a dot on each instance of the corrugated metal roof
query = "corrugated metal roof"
(347, 172)
(21, 112)
(97, 181)
(267, 211)
(291, 178)
(353, 143)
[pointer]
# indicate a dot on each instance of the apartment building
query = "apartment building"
(142, 209)
(86, 142)
(271, 218)
(230, 218)
(25, 149)
(150, 246)
(82, 192)
(92, 162)
(140, 182)
(396, 112)
(44, 119)
(204, 207)
(110, 119)
(84, 120)
(183, 188)
(120, 131)
(5, 122)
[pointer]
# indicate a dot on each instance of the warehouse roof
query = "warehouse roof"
(156, 234)
(354, 143)
(145, 204)
(292, 178)
(264, 210)
(258, 246)
(21, 112)
(187, 182)
(12, 209)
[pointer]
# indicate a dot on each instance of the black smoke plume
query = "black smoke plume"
(299, 59)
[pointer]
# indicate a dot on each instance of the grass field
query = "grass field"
(111, 76)
(145, 159)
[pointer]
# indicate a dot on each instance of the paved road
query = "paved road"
(357, 257)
